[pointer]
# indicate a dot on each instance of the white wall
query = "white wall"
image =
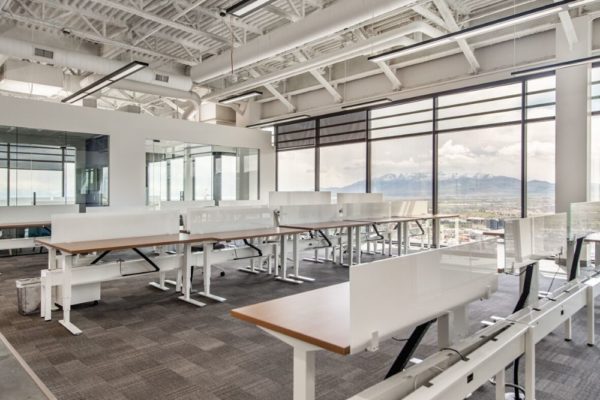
(128, 133)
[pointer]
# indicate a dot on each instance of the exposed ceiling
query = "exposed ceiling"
(174, 36)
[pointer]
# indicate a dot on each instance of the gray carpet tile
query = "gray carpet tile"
(139, 343)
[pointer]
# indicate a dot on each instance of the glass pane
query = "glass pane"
(296, 170)
(479, 120)
(402, 119)
(176, 179)
(228, 177)
(512, 102)
(480, 94)
(541, 112)
(541, 152)
(595, 159)
(547, 82)
(541, 98)
(402, 130)
(343, 168)
(404, 108)
(402, 168)
(203, 174)
(480, 179)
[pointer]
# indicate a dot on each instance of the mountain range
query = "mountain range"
(417, 184)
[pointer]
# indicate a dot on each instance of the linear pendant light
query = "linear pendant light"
(366, 104)
(500, 23)
(103, 82)
(240, 97)
(555, 66)
(279, 121)
(245, 7)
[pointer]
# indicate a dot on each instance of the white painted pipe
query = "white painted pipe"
(87, 62)
(338, 17)
(365, 47)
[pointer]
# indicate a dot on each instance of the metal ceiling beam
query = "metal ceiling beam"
(452, 26)
(95, 38)
(290, 107)
(429, 15)
(282, 13)
(383, 66)
(567, 25)
(337, 97)
(151, 17)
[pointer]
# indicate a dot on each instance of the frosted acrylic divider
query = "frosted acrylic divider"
(241, 203)
(389, 295)
(309, 214)
(533, 238)
(357, 211)
(121, 209)
(409, 207)
(83, 227)
(182, 206)
(583, 219)
(278, 199)
(214, 219)
(24, 214)
(343, 198)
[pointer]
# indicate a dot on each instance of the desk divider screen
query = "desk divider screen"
(583, 219)
(401, 208)
(182, 206)
(533, 238)
(309, 214)
(278, 199)
(24, 214)
(215, 219)
(68, 228)
(241, 203)
(389, 295)
(344, 198)
(121, 209)
(357, 211)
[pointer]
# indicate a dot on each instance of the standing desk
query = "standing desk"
(349, 225)
(72, 249)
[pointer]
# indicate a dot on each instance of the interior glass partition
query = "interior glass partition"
(177, 171)
(595, 135)
(52, 167)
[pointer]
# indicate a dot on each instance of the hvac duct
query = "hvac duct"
(65, 58)
(341, 15)
(369, 46)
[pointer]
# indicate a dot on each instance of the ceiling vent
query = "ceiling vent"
(44, 53)
(162, 78)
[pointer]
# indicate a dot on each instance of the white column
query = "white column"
(572, 116)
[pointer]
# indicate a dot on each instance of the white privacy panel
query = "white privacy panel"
(182, 206)
(278, 199)
(121, 209)
(405, 208)
(583, 219)
(83, 227)
(366, 210)
(309, 214)
(397, 293)
(241, 203)
(343, 198)
(24, 214)
(533, 238)
(215, 219)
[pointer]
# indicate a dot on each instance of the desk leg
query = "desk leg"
(435, 228)
(67, 265)
(283, 275)
(186, 285)
(304, 374)
(358, 249)
(500, 385)
(406, 237)
(207, 268)
(597, 254)
(296, 251)
(399, 238)
(591, 309)
(349, 247)
(530, 365)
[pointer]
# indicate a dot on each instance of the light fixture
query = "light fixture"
(108, 80)
(240, 97)
(366, 104)
(553, 67)
(500, 23)
(279, 121)
(245, 7)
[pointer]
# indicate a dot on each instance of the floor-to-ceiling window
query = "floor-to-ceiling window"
(486, 153)
(595, 136)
